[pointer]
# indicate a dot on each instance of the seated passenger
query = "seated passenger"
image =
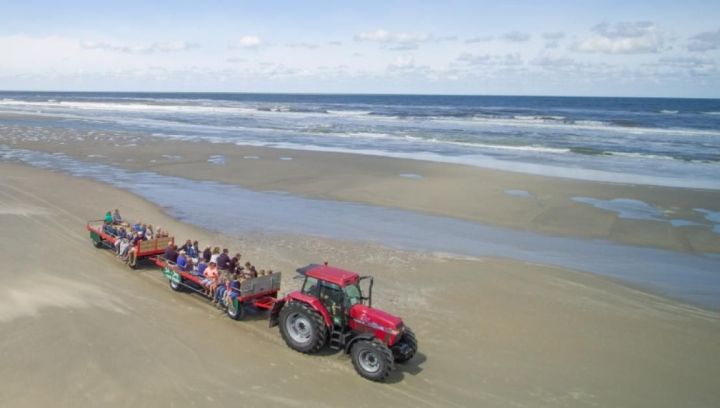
(221, 286)
(186, 246)
(211, 275)
(108, 218)
(233, 290)
(116, 218)
(117, 245)
(207, 254)
(201, 267)
(215, 254)
(234, 262)
(223, 260)
(194, 250)
(109, 229)
(149, 232)
(122, 233)
(170, 253)
(124, 248)
(189, 266)
(181, 260)
(137, 238)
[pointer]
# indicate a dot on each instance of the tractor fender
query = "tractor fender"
(275, 312)
(311, 301)
(361, 336)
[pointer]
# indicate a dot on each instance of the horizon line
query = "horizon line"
(359, 94)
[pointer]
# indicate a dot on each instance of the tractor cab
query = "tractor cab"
(338, 290)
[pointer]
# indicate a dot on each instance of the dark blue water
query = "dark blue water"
(673, 142)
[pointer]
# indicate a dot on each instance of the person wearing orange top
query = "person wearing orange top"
(211, 275)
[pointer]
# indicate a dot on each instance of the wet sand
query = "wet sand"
(78, 328)
(520, 201)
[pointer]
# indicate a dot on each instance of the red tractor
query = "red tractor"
(331, 309)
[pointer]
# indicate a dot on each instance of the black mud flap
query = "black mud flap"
(275, 313)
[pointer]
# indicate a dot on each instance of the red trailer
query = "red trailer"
(260, 292)
(143, 249)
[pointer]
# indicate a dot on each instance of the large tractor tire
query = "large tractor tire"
(236, 310)
(372, 359)
(302, 328)
(408, 338)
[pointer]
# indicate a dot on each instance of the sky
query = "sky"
(584, 48)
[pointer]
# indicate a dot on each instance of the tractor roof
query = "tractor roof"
(334, 275)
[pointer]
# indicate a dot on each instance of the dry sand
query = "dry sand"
(78, 328)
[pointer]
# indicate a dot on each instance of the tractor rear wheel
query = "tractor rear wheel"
(372, 359)
(409, 339)
(302, 328)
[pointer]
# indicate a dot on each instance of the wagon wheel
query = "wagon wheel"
(236, 310)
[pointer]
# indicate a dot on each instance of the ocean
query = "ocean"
(666, 142)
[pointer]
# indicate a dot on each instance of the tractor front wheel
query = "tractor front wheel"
(406, 348)
(372, 359)
(302, 328)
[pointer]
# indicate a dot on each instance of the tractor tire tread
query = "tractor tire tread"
(315, 317)
(385, 353)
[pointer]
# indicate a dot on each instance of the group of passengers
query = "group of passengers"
(219, 274)
(128, 235)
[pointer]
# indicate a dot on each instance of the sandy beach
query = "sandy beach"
(79, 328)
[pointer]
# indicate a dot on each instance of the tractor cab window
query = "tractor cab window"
(310, 287)
(331, 296)
(353, 295)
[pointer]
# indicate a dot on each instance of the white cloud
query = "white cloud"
(308, 46)
(623, 38)
(403, 62)
(553, 38)
(248, 41)
(478, 39)
(692, 66)
(705, 41)
(491, 59)
(138, 48)
(397, 41)
(383, 36)
(516, 36)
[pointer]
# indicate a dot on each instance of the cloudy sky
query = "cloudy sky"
(607, 48)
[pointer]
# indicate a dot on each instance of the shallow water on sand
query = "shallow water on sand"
(234, 210)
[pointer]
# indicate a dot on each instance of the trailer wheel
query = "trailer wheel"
(176, 286)
(372, 359)
(302, 328)
(409, 339)
(236, 310)
(96, 240)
